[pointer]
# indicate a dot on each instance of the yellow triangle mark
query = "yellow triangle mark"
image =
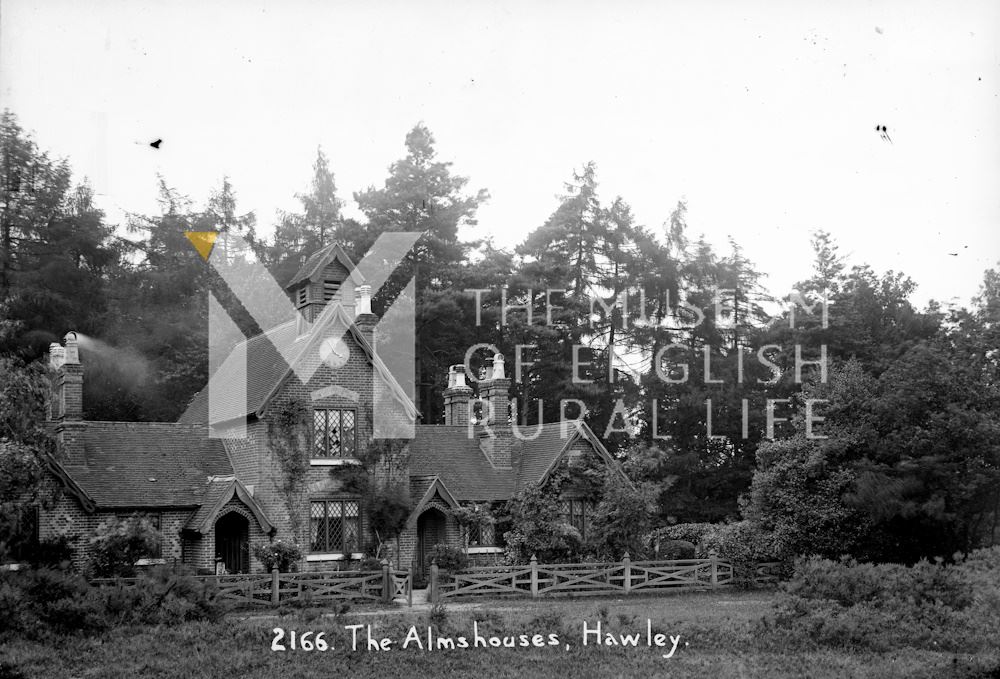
(202, 241)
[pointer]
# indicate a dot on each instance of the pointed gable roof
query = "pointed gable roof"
(319, 259)
(428, 488)
(450, 454)
(267, 370)
(220, 490)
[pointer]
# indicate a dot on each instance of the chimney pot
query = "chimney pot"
(57, 355)
(364, 299)
(456, 376)
(72, 351)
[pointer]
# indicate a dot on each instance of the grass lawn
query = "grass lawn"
(715, 640)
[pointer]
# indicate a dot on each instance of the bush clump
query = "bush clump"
(118, 544)
(449, 559)
(278, 554)
(42, 602)
(677, 549)
(884, 606)
(742, 544)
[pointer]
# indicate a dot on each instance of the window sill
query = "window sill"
(150, 562)
(333, 557)
(334, 462)
(484, 550)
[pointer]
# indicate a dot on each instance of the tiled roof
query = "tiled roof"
(450, 454)
(147, 464)
(266, 368)
(538, 455)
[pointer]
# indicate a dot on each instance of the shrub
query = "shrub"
(677, 549)
(117, 545)
(449, 559)
(622, 518)
(277, 554)
(40, 602)
(538, 529)
(689, 532)
(885, 606)
(50, 553)
(388, 509)
(37, 601)
(744, 545)
(369, 563)
(171, 595)
(438, 615)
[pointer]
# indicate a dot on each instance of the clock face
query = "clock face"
(334, 352)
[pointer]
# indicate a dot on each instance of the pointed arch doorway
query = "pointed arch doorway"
(232, 542)
(431, 530)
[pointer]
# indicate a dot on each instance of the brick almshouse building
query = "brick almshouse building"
(213, 498)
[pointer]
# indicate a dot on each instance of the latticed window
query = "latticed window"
(334, 433)
(335, 526)
(577, 513)
(481, 535)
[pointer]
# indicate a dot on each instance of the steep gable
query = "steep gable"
(451, 454)
(267, 370)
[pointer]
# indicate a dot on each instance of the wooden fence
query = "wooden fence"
(535, 579)
(274, 588)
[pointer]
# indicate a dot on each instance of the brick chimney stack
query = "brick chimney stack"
(457, 397)
(66, 407)
(497, 439)
(493, 389)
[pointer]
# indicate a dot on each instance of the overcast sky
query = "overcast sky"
(761, 115)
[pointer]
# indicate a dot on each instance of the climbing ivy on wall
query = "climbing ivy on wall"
(289, 438)
(382, 480)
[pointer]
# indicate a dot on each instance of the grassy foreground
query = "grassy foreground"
(712, 631)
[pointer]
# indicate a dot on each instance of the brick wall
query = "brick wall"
(408, 538)
(66, 518)
(321, 482)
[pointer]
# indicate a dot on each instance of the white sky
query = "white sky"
(763, 117)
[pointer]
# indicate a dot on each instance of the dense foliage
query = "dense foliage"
(117, 544)
(277, 554)
(910, 467)
(42, 602)
(846, 604)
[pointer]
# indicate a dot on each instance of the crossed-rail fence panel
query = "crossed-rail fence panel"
(273, 589)
(581, 579)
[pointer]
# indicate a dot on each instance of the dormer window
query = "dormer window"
(300, 297)
(330, 289)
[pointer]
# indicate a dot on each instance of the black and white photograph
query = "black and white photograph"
(499, 339)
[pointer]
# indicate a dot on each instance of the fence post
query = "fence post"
(534, 577)
(274, 586)
(627, 563)
(409, 589)
(714, 559)
(434, 582)
(386, 582)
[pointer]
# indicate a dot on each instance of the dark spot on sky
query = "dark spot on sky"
(156, 144)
